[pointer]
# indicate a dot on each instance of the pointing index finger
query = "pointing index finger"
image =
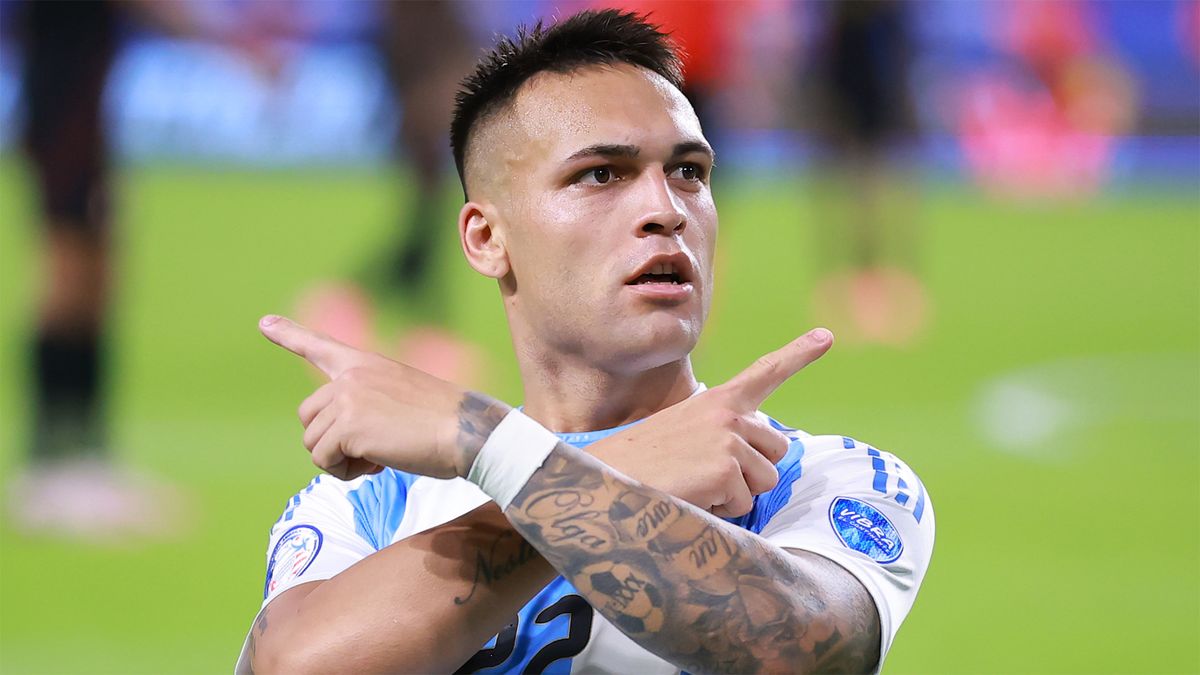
(756, 383)
(328, 355)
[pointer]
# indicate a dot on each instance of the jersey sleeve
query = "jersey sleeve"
(317, 537)
(867, 511)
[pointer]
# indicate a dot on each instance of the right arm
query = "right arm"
(458, 584)
(453, 586)
(384, 611)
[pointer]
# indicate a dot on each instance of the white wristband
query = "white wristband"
(516, 448)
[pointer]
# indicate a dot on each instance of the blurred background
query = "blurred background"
(995, 205)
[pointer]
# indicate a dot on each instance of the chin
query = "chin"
(655, 343)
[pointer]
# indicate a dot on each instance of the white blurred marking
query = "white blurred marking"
(1034, 411)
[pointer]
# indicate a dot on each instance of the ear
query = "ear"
(482, 242)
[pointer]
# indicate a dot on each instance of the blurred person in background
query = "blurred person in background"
(425, 45)
(73, 485)
(872, 293)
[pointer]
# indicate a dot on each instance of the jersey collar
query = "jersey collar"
(585, 438)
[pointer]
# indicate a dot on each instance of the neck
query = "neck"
(572, 398)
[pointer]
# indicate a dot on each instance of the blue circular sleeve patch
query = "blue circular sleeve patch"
(292, 555)
(862, 528)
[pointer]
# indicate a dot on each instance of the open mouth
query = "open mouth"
(667, 270)
(662, 273)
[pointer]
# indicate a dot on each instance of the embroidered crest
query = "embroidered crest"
(863, 528)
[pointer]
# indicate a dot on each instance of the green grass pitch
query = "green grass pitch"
(1077, 551)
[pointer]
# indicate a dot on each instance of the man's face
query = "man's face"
(601, 181)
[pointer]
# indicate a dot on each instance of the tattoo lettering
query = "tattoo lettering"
(697, 591)
(493, 567)
(572, 520)
(640, 518)
(701, 550)
(709, 553)
(626, 592)
(623, 592)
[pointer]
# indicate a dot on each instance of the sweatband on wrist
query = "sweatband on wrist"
(515, 449)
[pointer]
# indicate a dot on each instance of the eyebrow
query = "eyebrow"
(632, 151)
(606, 150)
(695, 146)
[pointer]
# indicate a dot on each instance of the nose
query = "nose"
(663, 214)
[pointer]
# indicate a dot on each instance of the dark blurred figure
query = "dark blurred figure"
(865, 76)
(69, 48)
(426, 46)
(427, 49)
(862, 72)
(73, 485)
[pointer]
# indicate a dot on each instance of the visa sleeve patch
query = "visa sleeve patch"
(293, 554)
(862, 528)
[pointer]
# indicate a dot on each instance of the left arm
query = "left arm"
(697, 591)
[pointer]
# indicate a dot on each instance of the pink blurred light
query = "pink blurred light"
(1018, 142)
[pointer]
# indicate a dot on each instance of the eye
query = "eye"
(688, 172)
(597, 176)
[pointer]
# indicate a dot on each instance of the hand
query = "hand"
(374, 412)
(714, 450)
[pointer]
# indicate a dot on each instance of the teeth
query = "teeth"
(663, 269)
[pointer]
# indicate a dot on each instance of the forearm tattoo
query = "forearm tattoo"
(505, 551)
(478, 417)
(496, 561)
(258, 630)
(699, 592)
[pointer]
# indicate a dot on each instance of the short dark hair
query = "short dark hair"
(592, 37)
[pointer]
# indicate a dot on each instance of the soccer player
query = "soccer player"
(872, 241)
(665, 526)
(74, 486)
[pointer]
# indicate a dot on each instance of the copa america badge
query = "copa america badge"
(296, 550)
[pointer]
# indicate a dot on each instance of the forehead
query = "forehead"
(556, 114)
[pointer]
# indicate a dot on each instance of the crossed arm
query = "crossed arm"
(689, 587)
(695, 590)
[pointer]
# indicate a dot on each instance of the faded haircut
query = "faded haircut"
(592, 37)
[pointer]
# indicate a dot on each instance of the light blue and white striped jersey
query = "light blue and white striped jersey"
(847, 501)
